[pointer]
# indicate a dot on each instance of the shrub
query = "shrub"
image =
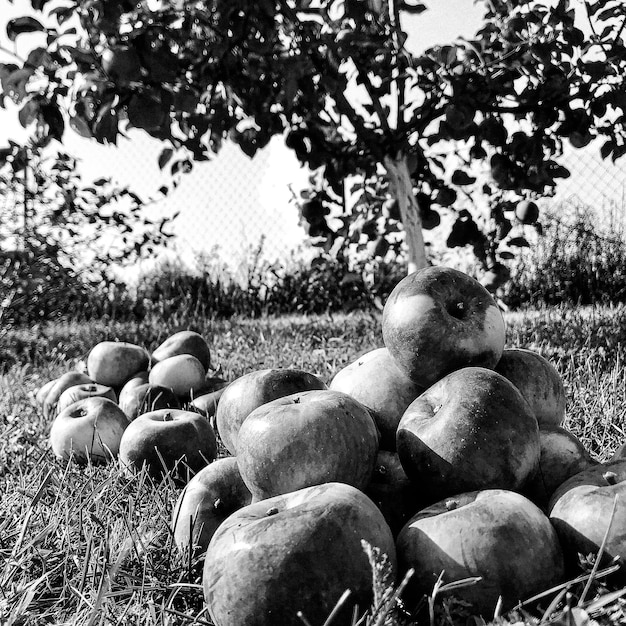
(578, 260)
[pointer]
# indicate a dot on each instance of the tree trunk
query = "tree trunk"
(401, 188)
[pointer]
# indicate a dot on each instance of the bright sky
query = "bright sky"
(231, 200)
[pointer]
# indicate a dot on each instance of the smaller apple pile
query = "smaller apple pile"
(128, 404)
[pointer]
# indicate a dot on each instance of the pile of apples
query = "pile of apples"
(444, 451)
(145, 409)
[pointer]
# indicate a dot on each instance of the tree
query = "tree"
(59, 237)
(421, 132)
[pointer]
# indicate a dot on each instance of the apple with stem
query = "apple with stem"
(295, 553)
(213, 494)
(496, 535)
(471, 430)
(168, 442)
(252, 390)
(438, 320)
(89, 430)
(79, 392)
(305, 439)
(589, 506)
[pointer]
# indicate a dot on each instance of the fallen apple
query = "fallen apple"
(79, 392)
(471, 430)
(184, 342)
(207, 403)
(181, 373)
(495, 534)
(146, 398)
(65, 381)
(438, 320)
(392, 492)
(582, 508)
(538, 380)
(252, 390)
(89, 430)
(297, 552)
(168, 441)
(562, 456)
(376, 382)
(43, 391)
(213, 494)
(306, 439)
(112, 363)
(141, 378)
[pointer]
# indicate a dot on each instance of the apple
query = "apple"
(112, 363)
(438, 320)
(393, 493)
(213, 494)
(140, 378)
(184, 342)
(181, 373)
(376, 382)
(207, 403)
(145, 398)
(581, 507)
(252, 390)
(496, 534)
(562, 456)
(209, 385)
(527, 212)
(168, 441)
(90, 430)
(538, 380)
(79, 392)
(298, 551)
(63, 382)
(471, 430)
(305, 439)
(43, 391)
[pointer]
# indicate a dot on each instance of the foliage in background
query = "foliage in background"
(577, 261)
(485, 116)
(60, 238)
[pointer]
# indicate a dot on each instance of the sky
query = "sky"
(231, 200)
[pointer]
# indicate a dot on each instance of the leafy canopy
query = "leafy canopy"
(487, 115)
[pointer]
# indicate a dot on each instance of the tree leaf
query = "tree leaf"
(519, 242)
(21, 25)
(413, 8)
(165, 156)
(29, 112)
(459, 177)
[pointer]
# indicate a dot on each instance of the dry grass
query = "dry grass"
(92, 546)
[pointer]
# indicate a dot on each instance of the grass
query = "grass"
(92, 546)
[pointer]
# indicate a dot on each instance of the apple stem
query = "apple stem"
(610, 477)
(217, 504)
(451, 505)
(272, 511)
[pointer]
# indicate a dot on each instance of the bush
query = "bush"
(576, 261)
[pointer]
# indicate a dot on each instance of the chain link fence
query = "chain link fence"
(231, 204)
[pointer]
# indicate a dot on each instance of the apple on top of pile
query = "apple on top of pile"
(442, 451)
